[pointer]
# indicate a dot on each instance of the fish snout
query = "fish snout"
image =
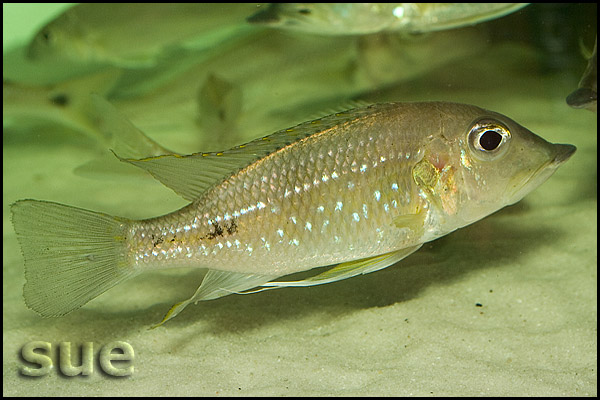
(563, 153)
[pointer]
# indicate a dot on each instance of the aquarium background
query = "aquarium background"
(504, 307)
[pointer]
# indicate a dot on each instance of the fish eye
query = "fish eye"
(60, 100)
(488, 139)
(46, 35)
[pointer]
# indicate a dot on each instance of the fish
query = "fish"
(367, 18)
(223, 98)
(586, 95)
(136, 35)
(77, 104)
(357, 190)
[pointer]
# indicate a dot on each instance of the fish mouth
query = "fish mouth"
(524, 185)
(563, 153)
(582, 97)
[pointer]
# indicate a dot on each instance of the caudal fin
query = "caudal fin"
(71, 255)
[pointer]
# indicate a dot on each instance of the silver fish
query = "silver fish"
(365, 18)
(586, 95)
(361, 189)
(136, 34)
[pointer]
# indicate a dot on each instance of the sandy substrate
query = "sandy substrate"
(504, 307)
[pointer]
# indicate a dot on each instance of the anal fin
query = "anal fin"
(221, 283)
(218, 284)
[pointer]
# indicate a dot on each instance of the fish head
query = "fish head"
(326, 18)
(61, 39)
(481, 161)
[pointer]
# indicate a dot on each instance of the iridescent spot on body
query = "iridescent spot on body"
(266, 244)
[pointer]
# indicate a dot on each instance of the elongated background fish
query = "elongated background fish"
(365, 18)
(136, 34)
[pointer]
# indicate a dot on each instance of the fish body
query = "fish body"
(366, 18)
(586, 95)
(362, 189)
(135, 35)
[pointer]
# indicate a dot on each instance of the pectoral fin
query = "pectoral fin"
(218, 284)
(414, 222)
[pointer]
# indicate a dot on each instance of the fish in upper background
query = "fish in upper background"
(77, 105)
(136, 35)
(261, 83)
(586, 95)
(365, 18)
(361, 189)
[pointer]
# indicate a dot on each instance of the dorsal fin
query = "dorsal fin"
(191, 175)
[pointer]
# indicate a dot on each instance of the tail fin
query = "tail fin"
(71, 255)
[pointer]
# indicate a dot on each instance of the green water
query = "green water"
(504, 307)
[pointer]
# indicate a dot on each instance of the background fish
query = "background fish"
(586, 95)
(136, 34)
(224, 97)
(362, 189)
(364, 18)
(76, 105)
